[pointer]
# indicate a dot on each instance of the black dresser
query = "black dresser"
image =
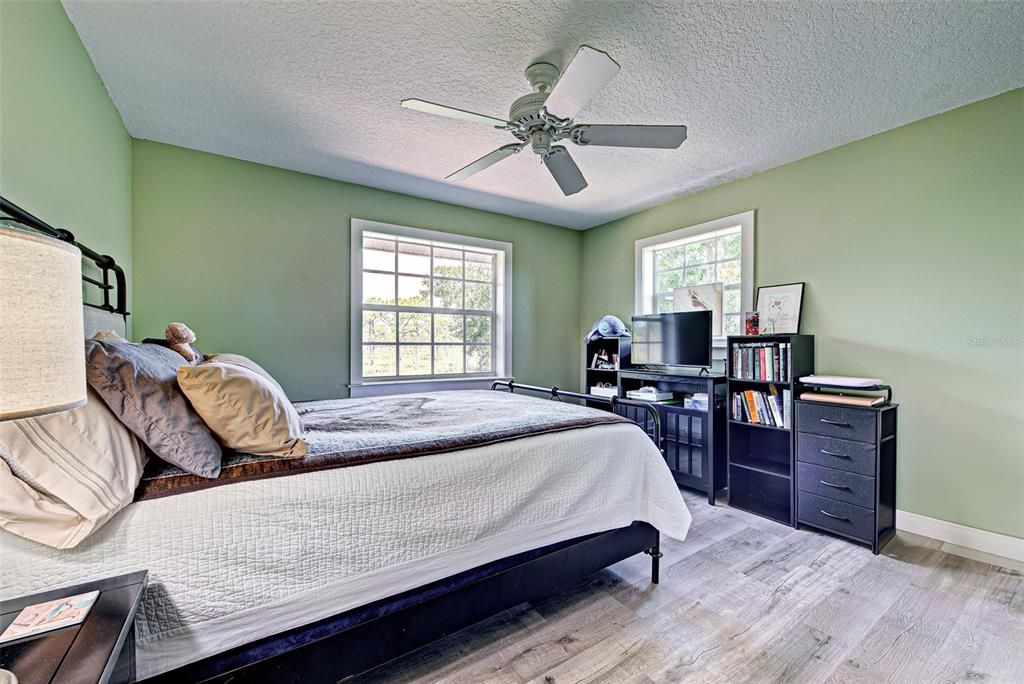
(846, 470)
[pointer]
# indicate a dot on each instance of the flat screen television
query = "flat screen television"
(672, 339)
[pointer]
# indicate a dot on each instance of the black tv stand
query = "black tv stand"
(693, 439)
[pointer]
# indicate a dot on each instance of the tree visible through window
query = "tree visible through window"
(427, 309)
(716, 251)
(708, 258)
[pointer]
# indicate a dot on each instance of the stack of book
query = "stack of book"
(770, 408)
(768, 361)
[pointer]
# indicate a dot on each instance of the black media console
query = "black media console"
(693, 440)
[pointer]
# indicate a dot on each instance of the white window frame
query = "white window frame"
(501, 330)
(644, 287)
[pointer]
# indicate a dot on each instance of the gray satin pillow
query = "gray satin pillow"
(139, 382)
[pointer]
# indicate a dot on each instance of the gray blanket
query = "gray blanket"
(349, 432)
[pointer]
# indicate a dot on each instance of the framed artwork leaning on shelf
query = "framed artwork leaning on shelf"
(779, 308)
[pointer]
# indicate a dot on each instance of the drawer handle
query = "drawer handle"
(837, 423)
(832, 453)
(833, 515)
(834, 486)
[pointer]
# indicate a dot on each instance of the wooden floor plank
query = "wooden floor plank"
(744, 599)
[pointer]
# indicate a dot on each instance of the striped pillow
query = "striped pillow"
(65, 475)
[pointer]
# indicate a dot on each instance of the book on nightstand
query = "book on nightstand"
(43, 617)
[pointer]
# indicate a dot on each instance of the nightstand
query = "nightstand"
(100, 649)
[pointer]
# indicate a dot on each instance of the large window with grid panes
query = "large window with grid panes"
(429, 305)
(704, 266)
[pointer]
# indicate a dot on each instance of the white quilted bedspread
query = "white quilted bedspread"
(235, 563)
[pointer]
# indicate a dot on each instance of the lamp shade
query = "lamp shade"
(42, 363)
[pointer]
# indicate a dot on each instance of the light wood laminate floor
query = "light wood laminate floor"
(748, 600)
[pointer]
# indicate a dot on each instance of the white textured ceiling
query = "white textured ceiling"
(315, 87)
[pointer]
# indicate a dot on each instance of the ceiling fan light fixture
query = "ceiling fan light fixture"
(542, 76)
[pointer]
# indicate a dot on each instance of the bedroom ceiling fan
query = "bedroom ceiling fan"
(545, 117)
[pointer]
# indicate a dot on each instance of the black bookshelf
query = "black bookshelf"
(610, 347)
(761, 456)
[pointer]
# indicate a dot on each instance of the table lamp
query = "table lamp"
(42, 364)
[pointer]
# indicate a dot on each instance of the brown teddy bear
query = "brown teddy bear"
(180, 338)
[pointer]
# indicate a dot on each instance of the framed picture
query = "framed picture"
(701, 298)
(779, 308)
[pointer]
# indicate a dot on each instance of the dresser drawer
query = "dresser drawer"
(837, 421)
(842, 454)
(840, 485)
(836, 516)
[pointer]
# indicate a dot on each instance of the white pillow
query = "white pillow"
(64, 475)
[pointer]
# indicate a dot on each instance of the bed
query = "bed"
(321, 573)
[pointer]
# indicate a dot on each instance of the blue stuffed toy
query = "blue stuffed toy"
(609, 326)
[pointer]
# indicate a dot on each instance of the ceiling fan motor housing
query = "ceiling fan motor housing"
(527, 107)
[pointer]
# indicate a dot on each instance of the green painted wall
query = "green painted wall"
(912, 246)
(65, 156)
(911, 243)
(256, 260)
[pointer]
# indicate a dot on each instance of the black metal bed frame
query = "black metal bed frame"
(371, 635)
(104, 262)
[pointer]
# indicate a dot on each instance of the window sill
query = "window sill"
(384, 387)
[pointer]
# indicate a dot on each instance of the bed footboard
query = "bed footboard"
(614, 402)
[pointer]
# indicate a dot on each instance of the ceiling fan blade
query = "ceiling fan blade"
(485, 161)
(664, 137)
(588, 72)
(452, 112)
(565, 171)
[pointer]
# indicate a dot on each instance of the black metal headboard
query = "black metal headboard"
(118, 303)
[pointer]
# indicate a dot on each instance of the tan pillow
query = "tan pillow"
(243, 406)
(246, 362)
(64, 475)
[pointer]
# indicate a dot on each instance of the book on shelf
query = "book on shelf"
(764, 361)
(772, 408)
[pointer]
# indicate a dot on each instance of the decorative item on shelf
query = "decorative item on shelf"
(608, 326)
(706, 297)
(602, 361)
(779, 307)
(751, 323)
(41, 325)
(697, 401)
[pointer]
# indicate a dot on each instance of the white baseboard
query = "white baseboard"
(961, 535)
